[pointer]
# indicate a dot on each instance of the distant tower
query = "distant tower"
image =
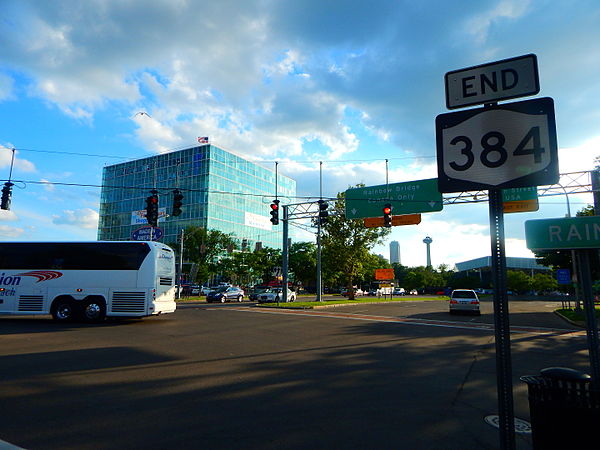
(427, 241)
(394, 252)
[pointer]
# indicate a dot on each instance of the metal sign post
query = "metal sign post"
(501, 322)
(583, 257)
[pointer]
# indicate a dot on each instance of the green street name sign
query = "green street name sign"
(567, 233)
(406, 198)
(519, 194)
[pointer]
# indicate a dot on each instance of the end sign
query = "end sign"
(486, 83)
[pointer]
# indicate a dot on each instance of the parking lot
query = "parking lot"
(403, 375)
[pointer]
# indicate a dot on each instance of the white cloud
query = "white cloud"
(20, 164)
(10, 232)
(82, 218)
(48, 186)
(7, 216)
(505, 9)
(6, 88)
(580, 158)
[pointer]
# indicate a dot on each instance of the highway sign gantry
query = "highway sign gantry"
(497, 147)
(410, 197)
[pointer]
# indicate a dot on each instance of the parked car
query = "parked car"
(194, 289)
(225, 293)
(257, 291)
(357, 292)
(206, 289)
(276, 295)
(464, 300)
(414, 292)
(399, 291)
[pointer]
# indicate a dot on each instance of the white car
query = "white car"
(276, 295)
(464, 300)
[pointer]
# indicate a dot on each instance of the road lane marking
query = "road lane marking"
(406, 321)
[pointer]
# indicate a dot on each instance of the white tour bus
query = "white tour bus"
(87, 280)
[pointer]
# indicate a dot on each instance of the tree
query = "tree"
(262, 262)
(346, 245)
(205, 247)
(400, 273)
(302, 262)
(518, 281)
(544, 282)
(370, 263)
(424, 277)
(461, 281)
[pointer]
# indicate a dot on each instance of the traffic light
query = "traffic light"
(6, 195)
(152, 208)
(275, 212)
(387, 215)
(323, 213)
(177, 202)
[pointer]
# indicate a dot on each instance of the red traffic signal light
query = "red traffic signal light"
(275, 212)
(387, 215)
(152, 208)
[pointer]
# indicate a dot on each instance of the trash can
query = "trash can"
(563, 407)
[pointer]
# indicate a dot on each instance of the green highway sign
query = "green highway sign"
(520, 199)
(410, 197)
(567, 233)
(519, 194)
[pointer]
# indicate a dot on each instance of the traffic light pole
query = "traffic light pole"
(180, 277)
(319, 279)
(285, 252)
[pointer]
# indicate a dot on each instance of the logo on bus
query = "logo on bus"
(41, 275)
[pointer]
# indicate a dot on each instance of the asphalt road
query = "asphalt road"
(404, 375)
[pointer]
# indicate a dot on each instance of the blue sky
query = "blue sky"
(346, 83)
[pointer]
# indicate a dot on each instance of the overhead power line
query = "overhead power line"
(571, 183)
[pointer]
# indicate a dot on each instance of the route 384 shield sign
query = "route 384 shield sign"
(503, 146)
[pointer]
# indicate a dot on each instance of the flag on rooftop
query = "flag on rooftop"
(203, 140)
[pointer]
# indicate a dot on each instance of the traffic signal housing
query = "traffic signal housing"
(323, 213)
(387, 215)
(6, 196)
(177, 202)
(152, 208)
(275, 212)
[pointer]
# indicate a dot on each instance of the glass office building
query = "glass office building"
(221, 190)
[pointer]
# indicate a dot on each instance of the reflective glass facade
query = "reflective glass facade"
(222, 191)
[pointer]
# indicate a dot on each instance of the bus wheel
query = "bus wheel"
(63, 310)
(94, 309)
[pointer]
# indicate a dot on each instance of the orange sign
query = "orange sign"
(521, 206)
(384, 274)
(405, 219)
